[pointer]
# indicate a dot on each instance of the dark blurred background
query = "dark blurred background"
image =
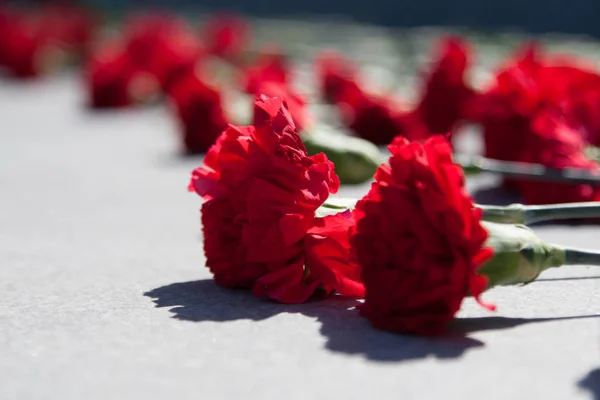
(568, 16)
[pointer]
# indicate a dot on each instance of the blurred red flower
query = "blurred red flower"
(295, 102)
(200, 112)
(109, 77)
(34, 43)
(153, 53)
(375, 118)
(270, 66)
(334, 73)
(227, 36)
(445, 97)
(543, 110)
(554, 144)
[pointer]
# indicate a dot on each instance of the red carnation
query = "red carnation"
(542, 110)
(506, 108)
(200, 112)
(162, 46)
(554, 144)
(154, 52)
(262, 191)
(419, 240)
(73, 27)
(295, 102)
(114, 81)
(227, 36)
(143, 32)
(334, 74)
(375, 118)
(271, 66)
(445, 96)
(36, 43)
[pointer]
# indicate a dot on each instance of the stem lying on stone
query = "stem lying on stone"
(522, 214)
(526, 171)
(581, 257)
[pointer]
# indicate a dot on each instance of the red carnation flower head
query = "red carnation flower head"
(6, 18)
(73, 27)
(295, 102)
(446, 96)
(174, 56)
(163, 46)
(418, 239)
(261, 192)
(506, 108)
(334, 74)
(553, 143)
(376, 118)
(543, 110)
(227, 35)
(270, 66)
(574, 90)
(113, 81)
(143, 32)
(28, 51)
(531, 84)
(40, 42)
(200, 112)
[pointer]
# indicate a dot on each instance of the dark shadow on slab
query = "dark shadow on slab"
(345, 331)
(465, 326)
(591, 383)
(497, 196)
(349, 333)
(180, 159)
(203, 300)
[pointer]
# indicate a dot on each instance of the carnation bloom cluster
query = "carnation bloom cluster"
(414, 242)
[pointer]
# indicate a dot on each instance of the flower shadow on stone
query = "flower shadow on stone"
(591, 383)
(345, 330)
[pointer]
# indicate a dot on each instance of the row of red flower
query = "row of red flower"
(537, 109)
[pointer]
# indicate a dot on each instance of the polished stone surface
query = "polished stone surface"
(104, 294)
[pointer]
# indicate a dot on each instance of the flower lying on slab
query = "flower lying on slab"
(261, 193)
(419, 240)
(422, 245)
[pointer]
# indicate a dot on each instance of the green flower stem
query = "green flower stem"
(520, 256)
(511, 214)
(593, 152)
(534, 172)
(581, 257)
(355, 159)
(521, 214)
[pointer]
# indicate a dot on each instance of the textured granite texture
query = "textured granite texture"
(104, 294)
